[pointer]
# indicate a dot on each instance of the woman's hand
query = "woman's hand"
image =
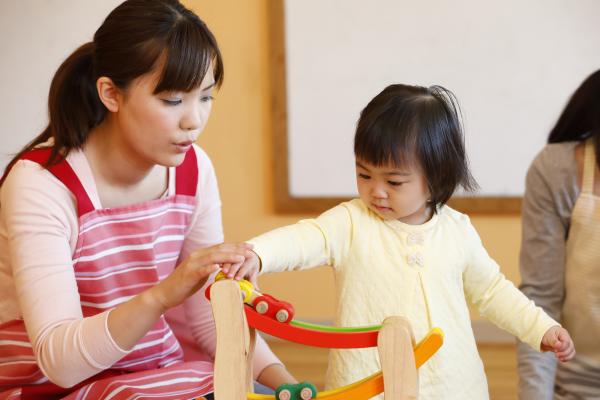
(130, 321)
(247, 269)
(189, 276)
(558, 340)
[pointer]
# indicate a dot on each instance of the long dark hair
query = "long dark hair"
(406, 121)
(133, 38)
(581, 117)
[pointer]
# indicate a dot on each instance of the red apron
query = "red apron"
(119, 253)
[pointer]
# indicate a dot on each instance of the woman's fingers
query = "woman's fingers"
(220, 257)
(225, 268)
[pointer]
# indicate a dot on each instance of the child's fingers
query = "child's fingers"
(254, 280)
(558, 345)
(234, 271)
(244, 270)
(566, 355)
(564, 349)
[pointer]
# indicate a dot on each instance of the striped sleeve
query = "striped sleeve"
(37, 208)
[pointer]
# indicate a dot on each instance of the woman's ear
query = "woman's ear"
(110, 95)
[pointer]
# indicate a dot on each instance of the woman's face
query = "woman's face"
(160, 128)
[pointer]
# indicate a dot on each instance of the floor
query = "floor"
(310, 363)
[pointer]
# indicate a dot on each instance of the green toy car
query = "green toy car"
(298, 391)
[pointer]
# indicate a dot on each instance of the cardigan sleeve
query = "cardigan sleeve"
(324, 240)
(497, 299)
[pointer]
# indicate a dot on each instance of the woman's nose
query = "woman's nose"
(192, 120)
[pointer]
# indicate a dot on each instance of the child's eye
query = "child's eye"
(363, 176)
(396, 183)
(206, 99)
(170, 102)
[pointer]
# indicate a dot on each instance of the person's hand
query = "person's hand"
(248, 269)
(191, 274)
(558, 340)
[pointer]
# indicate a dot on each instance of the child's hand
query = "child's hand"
(558, 340)
(247, 269)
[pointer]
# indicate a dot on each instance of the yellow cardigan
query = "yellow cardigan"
(427, 273)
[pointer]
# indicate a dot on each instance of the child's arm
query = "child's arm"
(498, 299)
(324, 240)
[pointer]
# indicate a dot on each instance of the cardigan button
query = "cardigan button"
(415, 259)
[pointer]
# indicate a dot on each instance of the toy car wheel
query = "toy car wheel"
(282, 315)
(285, 394)
(306, 393)
(247, 289)
(262, 307)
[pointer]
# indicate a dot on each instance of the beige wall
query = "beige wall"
(238, 138)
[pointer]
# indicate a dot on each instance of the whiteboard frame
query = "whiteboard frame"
(286, 203)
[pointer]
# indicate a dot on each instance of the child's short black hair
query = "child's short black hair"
(405, 124)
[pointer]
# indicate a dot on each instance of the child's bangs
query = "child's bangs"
(388, 143)
(188, 54)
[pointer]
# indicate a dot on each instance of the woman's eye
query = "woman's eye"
(171, 102)
(206, 99)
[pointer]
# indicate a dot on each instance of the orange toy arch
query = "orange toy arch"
(373, 385)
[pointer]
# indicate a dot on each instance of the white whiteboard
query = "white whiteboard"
(35, 38)
(512, 64)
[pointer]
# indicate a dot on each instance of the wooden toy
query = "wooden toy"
(264, 304)
(236, 321)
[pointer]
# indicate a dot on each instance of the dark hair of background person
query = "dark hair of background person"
(580, 118)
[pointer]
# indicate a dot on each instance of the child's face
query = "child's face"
(394, 193)
(160, 128)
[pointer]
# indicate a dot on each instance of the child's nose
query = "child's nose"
(378, 191)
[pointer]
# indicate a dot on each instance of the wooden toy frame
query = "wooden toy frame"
(236, 324)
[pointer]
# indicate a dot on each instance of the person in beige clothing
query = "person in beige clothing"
(560, 251)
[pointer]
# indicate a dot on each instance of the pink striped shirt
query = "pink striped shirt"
(39, 286)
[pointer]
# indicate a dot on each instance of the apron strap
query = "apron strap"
(186, 174)
(64, 173)
(589, 166)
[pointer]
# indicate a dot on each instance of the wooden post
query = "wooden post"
(395, 344)
(234, 342)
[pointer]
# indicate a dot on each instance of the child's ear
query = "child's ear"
(109, 93)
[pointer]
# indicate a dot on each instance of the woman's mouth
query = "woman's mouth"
(183, 147)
